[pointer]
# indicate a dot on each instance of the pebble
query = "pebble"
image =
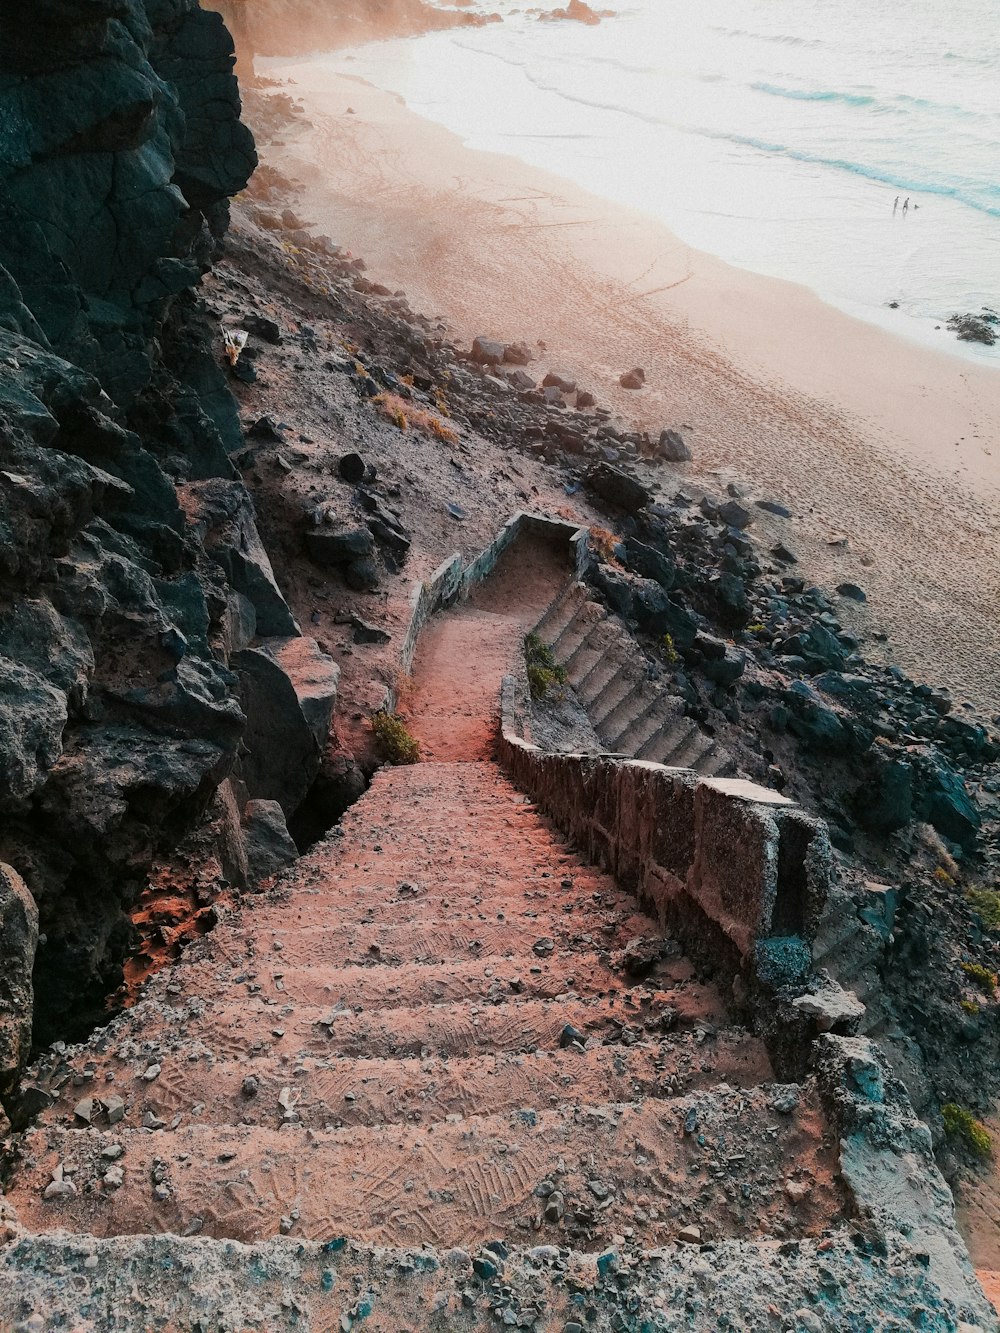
(114, 1178)
(151, 1073)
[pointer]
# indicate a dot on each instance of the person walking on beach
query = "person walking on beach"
(895, 205)
(906, 205)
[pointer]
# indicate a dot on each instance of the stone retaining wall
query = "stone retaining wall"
(747, 861)
(453, 582)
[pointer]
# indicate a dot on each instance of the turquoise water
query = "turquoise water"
(775, 134)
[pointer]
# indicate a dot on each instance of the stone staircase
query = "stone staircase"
(443, 1074)
(432, 1033)
(632, 714)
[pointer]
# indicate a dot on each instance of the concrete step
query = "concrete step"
(239, 1017)
(669, 741)
(616, 1165)
(559, 614)
(573, 633)
(442, 941)
(565, 970)
(331, 1092)
(622, 683)
(601, 675)
(660, 713)
(632, 701)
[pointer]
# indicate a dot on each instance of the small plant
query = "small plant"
(987, 903)
(962, 1124)
(544, 671)
(756, 627)
(982, 977)
(404, 414)
(969, 1006)
(397, 744)
(942, 876)
(668, 651)
(604, 541)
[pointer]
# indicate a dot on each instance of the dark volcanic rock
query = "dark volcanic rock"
(268, 843)
(618, 488)
(673, 448)
(120, 145)
(18, 941)
(288, 688)
(329, 547)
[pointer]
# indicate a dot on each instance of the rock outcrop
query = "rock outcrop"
(130, 565)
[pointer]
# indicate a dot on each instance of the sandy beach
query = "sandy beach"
(862, 434)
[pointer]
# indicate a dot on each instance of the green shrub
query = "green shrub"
(962, 1124)
(395, 741)
(544, 672)
(982, 977)
(970, 1006)
(987, 903)
(668, 651)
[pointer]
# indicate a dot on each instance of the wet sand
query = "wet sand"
(862, 434)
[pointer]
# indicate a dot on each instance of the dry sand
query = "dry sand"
(861, 433)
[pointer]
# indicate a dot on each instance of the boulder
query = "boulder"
(288, 689)
(269, 845)
(944, 801)
(728, 668)
(774, 507)
(516, 354)
(672, 447)
(734, 514)
(633, 379)
(729, 595)
(820, 649)
(521, 380)
(816, 725)
(223, 519)
(338, 548)
(558, 379)
(18, 942)
(852, 591)
(487, 352)
(648, 562)
(617, 488)
(352, 468)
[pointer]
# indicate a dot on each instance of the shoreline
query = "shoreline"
(859, 431)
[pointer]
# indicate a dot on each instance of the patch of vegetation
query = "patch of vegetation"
(544, 672)
(962, 1124)
(395, 741)
(668, 651)
(970, 1006)
(603, 541)
(404, 415)
(942, 876)
(987, 903)
(982, 977)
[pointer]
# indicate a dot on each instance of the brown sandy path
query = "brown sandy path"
(862, 434)
(462, 657)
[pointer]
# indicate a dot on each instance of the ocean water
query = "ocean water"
(775, 134)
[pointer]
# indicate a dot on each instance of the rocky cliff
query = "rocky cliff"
(130, 568)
